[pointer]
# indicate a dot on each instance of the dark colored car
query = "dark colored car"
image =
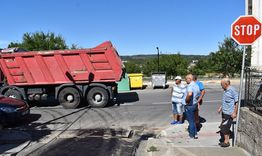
(12, 110)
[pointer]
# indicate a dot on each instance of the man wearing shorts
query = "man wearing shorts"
(178, 92)
(228, 109)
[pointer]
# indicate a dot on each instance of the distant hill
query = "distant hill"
(141, 58)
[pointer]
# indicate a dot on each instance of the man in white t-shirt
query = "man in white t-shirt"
(178, 92)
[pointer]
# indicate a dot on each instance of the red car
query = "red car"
(12, 110)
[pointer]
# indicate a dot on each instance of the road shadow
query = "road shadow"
(30, 118)
(127, 97)
(144, 86)
(91, 142)
(19, 134)
(35, 129)
(41, 129)
(198, 126)
(32, 130)
(201, 120)
(53, 103)
(161, 87)
(44, 103)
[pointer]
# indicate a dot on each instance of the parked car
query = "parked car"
(12, 110)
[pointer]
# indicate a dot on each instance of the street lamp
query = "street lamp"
(157, 59)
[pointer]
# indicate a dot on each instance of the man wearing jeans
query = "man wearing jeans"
(193, 93)
(200, 101)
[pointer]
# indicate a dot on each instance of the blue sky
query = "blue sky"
(134, 26)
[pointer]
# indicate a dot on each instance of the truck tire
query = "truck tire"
(97, 97)
(13, 93)
(69, 98)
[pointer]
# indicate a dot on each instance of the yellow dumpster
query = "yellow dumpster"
(136, 80)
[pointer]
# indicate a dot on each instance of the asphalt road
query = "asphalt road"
(115, 130)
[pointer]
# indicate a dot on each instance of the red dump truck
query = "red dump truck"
(70, 76)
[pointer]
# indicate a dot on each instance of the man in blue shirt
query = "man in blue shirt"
(228, 109)
(192, 96)
(200, 100)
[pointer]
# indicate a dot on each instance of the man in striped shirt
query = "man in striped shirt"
(178, 92)
(229, 110)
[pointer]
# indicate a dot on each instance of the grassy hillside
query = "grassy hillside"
(142, 58)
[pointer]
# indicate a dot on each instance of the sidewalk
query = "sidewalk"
(174, 141)
(13, 141)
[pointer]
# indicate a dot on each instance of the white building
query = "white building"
(254, 7)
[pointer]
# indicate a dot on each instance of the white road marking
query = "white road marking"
(210, 101)
(127, 104)
(161, 103)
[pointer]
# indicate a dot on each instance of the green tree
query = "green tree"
(149, 66)
(202, 67)
(173, 64)
(13, 44)
(40, 41)
(132, 67)
(228, 59)
(74, 46)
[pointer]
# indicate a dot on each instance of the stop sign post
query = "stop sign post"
(245, 31)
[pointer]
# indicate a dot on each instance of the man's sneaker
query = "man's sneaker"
(190, 137)
(196, 137)
(174, 122)
(222, 144)
(221, 140)
(179, 122)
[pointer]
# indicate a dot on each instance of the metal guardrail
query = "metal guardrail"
(253, 89)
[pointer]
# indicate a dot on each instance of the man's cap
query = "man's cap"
(178, 78)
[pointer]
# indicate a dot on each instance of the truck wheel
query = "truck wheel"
(69, 98)
(97, 97)
(12, 93)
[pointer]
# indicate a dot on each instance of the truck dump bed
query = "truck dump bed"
(99, 64)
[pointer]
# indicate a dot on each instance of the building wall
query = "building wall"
(254, 7)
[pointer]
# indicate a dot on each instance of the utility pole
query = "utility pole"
(157, 59)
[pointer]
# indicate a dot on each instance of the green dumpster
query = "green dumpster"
(123, 85)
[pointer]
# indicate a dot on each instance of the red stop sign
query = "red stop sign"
(245, 30)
